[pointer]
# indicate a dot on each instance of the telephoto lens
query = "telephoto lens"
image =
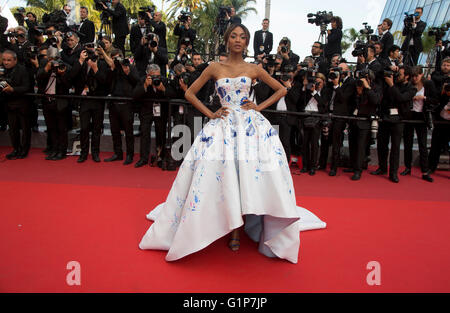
(156, 80)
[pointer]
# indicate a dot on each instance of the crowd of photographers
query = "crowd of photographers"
(386, 83)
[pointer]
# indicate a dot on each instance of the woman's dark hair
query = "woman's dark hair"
(233, 27)
(338, 21)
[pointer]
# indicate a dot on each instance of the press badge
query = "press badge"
(156, 109)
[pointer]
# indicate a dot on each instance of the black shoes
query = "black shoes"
(22, 155)
(13, 155)
(304, 170)
(378, 172)
(140, 163)
(96, 158)
(51, 155)
(356, 176)
(427, 178)
(333, 173)
(394, 178)
(59, 156)
(114, 158)
(406, 172)
(312, 172)
(128, 160)
(82, 159)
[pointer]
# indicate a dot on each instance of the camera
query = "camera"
(320, 18)
(57, 19)
(409, 19)
(184, 16)
(156, 80)
(439, 32)
(390, 73)
(89, 47)
(3, 84)
(364, 73)
(99, 6)
(334, 73)
(312, 83)
(367, 30)
(151, 39)
(58, 65)
(360, 48)
(31, 52)
(12, 35)
(122, 61)
(185, 77)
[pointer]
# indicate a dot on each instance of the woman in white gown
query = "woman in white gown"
(235, 174)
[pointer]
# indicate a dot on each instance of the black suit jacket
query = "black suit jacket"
(388, 41)
(135, 38)
(344, 100)
(334, 43)
(143, 55)
(258, 42)
(119, 20)
(19, 80)
(88, 30)
(416, 35)
(160, 29)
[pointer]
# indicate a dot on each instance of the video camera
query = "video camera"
(360, 48)
(99, 6)
(367, 30)
(439, 32)
(142, 14)
(320, 18)
(183, 18)
(409, 19)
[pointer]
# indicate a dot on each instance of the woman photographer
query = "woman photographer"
(334, 38)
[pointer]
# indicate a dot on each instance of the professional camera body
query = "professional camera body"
(360, 48)
(90, 52)
(122, 61)
(31, 52)
(439, 32)
(409, 19)
(143, 13)
(320, 18)
(284, 74)
(364, 73)
(58, 64)
(183, 17)
(367, 30)
(151, 40)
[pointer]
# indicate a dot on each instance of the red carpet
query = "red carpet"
(56, 212)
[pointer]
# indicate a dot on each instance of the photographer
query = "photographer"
(67, 10)
(55, 78)
(441, 76)
(395, 106)
(342, 103)
(392, 63)
(183, 54)
(87, 27)
(14, 84)
(334, 38)
(315, 99)
(54, 37)
(138, 31)
(149, 52)
(92, 75)
(441, 132)
(413, 30)
(368, 98)
(371, 63)
(159, 28)
(152, 87)
(71, 53)
(183, 30)
(424, 102)
(119, 23)
(263, 41)
(320, 63)
(284, 49)
(124, 79)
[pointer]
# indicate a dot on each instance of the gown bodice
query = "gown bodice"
(233, 91)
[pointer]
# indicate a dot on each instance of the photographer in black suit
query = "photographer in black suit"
(424, 102)
(149, 52)
(183, 30)
(342, 103)
(320, 62)
(87, 27)
(124, 79)
(159, 28)
(139, 30)
(153, 86)
(14, 83)
(413, 30)
(368, 98)
(334, 38)
(284, 50)
(119, 23)
(395, 106)
(263, 41)
(386, 38)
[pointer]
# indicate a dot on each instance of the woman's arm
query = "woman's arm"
(190, 94)
(280, 90)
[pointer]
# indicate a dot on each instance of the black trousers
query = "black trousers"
(408, 139)
(358, 139)
(119, 43)
(325, 143)
(57, 131)
(19, 119)
(34, 113)
(337, 140)
(311, 147)
(439, 141)
(91, 120)
(121, 116)
(3, 113)
(147, 119)
(284, 133)
(390, 131)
